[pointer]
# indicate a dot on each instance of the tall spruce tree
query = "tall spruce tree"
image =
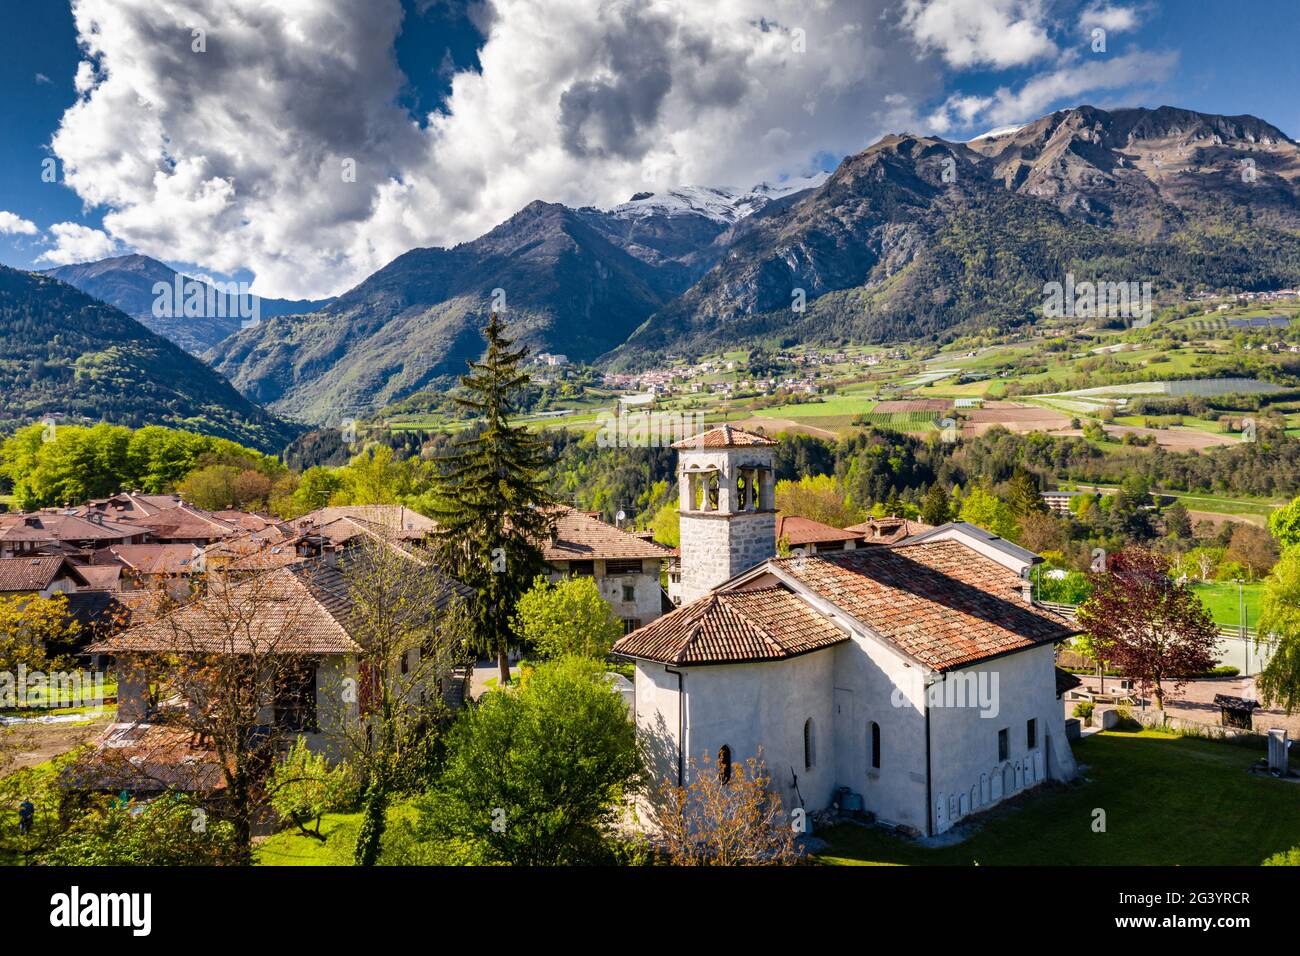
(936, 507)
(492, 503)
(1023, 494)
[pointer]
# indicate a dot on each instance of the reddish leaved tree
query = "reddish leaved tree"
(1150, 627)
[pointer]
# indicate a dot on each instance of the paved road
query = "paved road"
(485, 671)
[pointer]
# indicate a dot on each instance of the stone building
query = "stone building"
(917, 678)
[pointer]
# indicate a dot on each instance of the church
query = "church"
(917, 677)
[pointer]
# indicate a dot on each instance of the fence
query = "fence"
(1239, 647)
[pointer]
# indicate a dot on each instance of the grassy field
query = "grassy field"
(1168, 801)
(292, 848)
(1221, 600)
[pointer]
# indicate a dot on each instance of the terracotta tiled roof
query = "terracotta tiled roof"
(63, 526)
(580, 537)
(941, 602)
(130, 506)
(150, 558)
(302, 609)
(102, 577)
(888, 530)
(393, 517)
(146, 757)
(28, 574)
(725, 436)
(187, 522)
(279, 610)
(246, 520)
(726, 627)
(797, 530)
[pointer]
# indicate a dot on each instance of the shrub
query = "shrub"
(1084, 709)
(1289, 857)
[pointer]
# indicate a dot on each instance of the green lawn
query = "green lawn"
(291, 848)
(1221, 599)
(1168, 801)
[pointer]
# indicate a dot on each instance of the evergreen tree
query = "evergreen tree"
(1023, 494)
(936, 508)
(491, 502)
(1177, 522)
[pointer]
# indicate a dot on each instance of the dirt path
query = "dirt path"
(32, 744)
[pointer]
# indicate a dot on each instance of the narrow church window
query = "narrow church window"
(1031, 732)
(1004, 744)
(724, 764)
(809, 744)
(875, 745)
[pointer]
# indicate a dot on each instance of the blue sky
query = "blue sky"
(226, 160)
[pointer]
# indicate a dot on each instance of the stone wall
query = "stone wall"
(717, 547)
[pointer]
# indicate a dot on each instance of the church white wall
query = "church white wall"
(658, 724)
(967, 774)
(745, 706)
(873, 683)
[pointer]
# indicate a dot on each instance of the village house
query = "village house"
(917, 680)
(803, 535)
(303, 615)
(53, 531)
(624, 566)
(40, 576)
(888, 530)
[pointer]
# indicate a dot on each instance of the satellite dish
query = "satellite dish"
(620, 516)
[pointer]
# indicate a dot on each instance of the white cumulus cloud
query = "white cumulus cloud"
(237, 156)
(74, 242)
(968, 33)
(241, 134)
(12, 224)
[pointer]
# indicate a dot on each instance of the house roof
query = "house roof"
(279, 611)
(188, 522)
(888, 530)
(146, 757)
(150, 558)
(29, 574)
(130, 505)
(63, 526)
(796, 530)
(102, 577)
(581, 537)
(941, 603)
(725, 436)
(301, 609)
(725, 627)
(976, 532)
(391, 517)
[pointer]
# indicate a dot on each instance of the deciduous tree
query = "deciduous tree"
(1150, 627)
(567, 617)
(726, 816)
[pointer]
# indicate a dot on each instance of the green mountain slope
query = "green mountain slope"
(68, 356)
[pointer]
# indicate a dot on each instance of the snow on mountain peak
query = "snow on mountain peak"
(725, 204)
(1000, 131)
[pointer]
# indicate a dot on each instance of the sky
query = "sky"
(300, 145)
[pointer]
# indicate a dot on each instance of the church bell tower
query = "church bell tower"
(727, 511)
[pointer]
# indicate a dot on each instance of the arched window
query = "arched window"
(724, 763)
(809, 744)
(874, 744)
